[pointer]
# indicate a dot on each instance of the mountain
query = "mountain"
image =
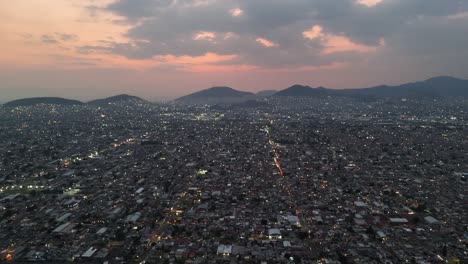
(266, 93)
(300, 90)
(251, 104)
(442, 86)
(216, 92)
(216, 95)
(246, 104)
(118, 99)
(42, 100)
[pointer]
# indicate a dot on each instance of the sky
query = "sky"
(162, 49)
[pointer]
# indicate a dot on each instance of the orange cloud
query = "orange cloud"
(218, 68)
(313, 33)
(332, 66)
(186, 63)
(208, 58)
(230, 35)
(205, 35)
(266, 42)
(337, 43)
(236, 12)
(369, 3)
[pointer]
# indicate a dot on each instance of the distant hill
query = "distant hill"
(216, 95)
(246, 104)
(216, 92)
(251, 104)
(42, 100)
(443, 86)
(300, 90)
(118, 99)
(266, 93)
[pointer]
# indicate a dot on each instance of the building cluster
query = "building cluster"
(303, 181)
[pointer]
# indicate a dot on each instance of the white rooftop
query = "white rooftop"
(89, 252)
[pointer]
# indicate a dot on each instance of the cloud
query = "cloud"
(56, 38)
(137, 9)
(462, 15)
(67, 37)
(204, 35)
(313, 33)
(369, 3)
(266, 42)
(335, 43)
(49, 39)
(296, 33)
(235, 12)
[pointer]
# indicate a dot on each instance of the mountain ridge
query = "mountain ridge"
(218, 91)
(216, 95)
(64, 101)
(117, 99)
(42, 100)
(266, 93)
(440, 86)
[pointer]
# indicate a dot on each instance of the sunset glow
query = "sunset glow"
(173, 38)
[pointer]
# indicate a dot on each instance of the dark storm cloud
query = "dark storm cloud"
(171, 27)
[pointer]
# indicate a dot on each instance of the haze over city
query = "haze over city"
(86, 49)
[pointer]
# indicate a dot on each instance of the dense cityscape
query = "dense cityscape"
(234, 131)
(289, 180)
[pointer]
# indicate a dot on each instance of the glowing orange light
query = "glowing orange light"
(279, 166)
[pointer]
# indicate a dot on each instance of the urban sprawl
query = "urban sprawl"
(297, 180)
